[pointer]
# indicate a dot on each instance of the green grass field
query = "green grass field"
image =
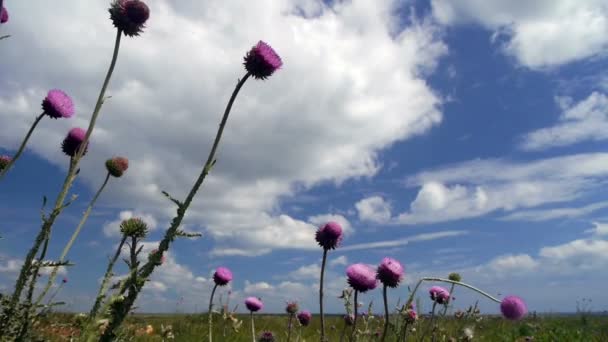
(584, 328)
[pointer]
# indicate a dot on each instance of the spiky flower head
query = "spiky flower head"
(222, 276)
(390, 272)
(266, 336)
(262, 61)
(4, 161)
(513, 308)
(129, 16)
(455, 276)
(156, 257)
(254, 304)
(361, 277)
(57, 104)
(134, 227)
(329, 235)
(292, 308)
(3, 15)
(117, 166)
(439, 294)
(73, 140)
(305, 317)
(411, 315)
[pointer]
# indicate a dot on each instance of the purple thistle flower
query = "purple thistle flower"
(73, 140)
(390, 272)
(513, 308)
(262, 61)
(57, 104)
(266, 336)
(361, 277)
(254, 304)
(291, 308)
(117, 166)
(305, 317)
(3, 15)
(439, 294)
(4, 161)
(329, 235)
(129, 16)
(222, 276)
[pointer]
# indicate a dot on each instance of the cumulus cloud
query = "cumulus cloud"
(554, 213)
(538, 34)
(373, 209)
(112, 228)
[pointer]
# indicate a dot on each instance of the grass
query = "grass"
(587, 328)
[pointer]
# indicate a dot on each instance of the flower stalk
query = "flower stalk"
(10, 164)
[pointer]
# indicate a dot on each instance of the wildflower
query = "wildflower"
(513, 308)
(117, 166)
(3, 15)
(349, 319)
(266, 336)
(134, 227)
(411, 315)
(455, 276)
(222, 276)
(129, 16)
(73, 140)
(329, 235)
(439, 294)
(262, 61)
(291, 308)
(254, 304)
(390, 272)
(57, 104)
(4, 161)
(305, 317)
(361, 277)
(149, 330)
(467, 334)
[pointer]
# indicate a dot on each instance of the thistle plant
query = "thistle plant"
(441, 296)
(253, 304)
(125, 14)
(3, 18)
(361, 278)
(291, 309)
(455, 277)
(390, 274)
(304, 318)
(221, 277)
(328, 237)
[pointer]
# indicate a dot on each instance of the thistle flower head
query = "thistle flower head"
(292, 308)
(157, 257)
(57, 104)
(305, 317)
(455, 276)
(134, 227)
(439, 294)
(222, 276)
(4, 161)
(266, 336)
(390, 272)
(254, 304)
(329, 235)
(262, 61)
(411, 315)
(129, 16)
(349, 319)
(73, 140)
(3, 15)
(361, 277)
(117, 166)
(513, 308)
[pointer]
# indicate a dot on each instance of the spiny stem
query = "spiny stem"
(210, 313)
(22, 147)
(321, 295)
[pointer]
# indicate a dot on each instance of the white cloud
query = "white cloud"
(509, 264)
(342, 260)
(540, 34)
(373, 209)
(404, 241)
(11, 266)
(257, 287)
(599, 229)
(554, 213)
(585, 120)
(312, 271)
(112, 229)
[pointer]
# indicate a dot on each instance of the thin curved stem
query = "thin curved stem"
(210, 313)
(22, 147)
(321, 295)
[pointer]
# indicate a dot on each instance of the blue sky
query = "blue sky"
(450, 135)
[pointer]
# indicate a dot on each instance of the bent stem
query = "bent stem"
(70, 243)
(321, 295)
(386, 315)
(210, 313)
(147, 269)
(22, 147)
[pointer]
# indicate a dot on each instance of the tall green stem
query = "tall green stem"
(70, 243)
(252, 327)
(106, 279)
(22, 147)
(210, 313)
(321, 295)
(386, 314)
(445, 306)
(289, 327)
(430, 326)
(353, 334)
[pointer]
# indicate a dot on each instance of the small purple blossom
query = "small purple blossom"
(439, 294)
(129, 16)
(117, 166)
(3, 15)
(329, 235)
(73, 140)
(291, 307)
(57, 104)
(305, 317)
(390, 272)
(4, 161)
(262, 61)
(222, 276)
(254, 304)
(513, 308)
(266, 336)
(361, 277)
